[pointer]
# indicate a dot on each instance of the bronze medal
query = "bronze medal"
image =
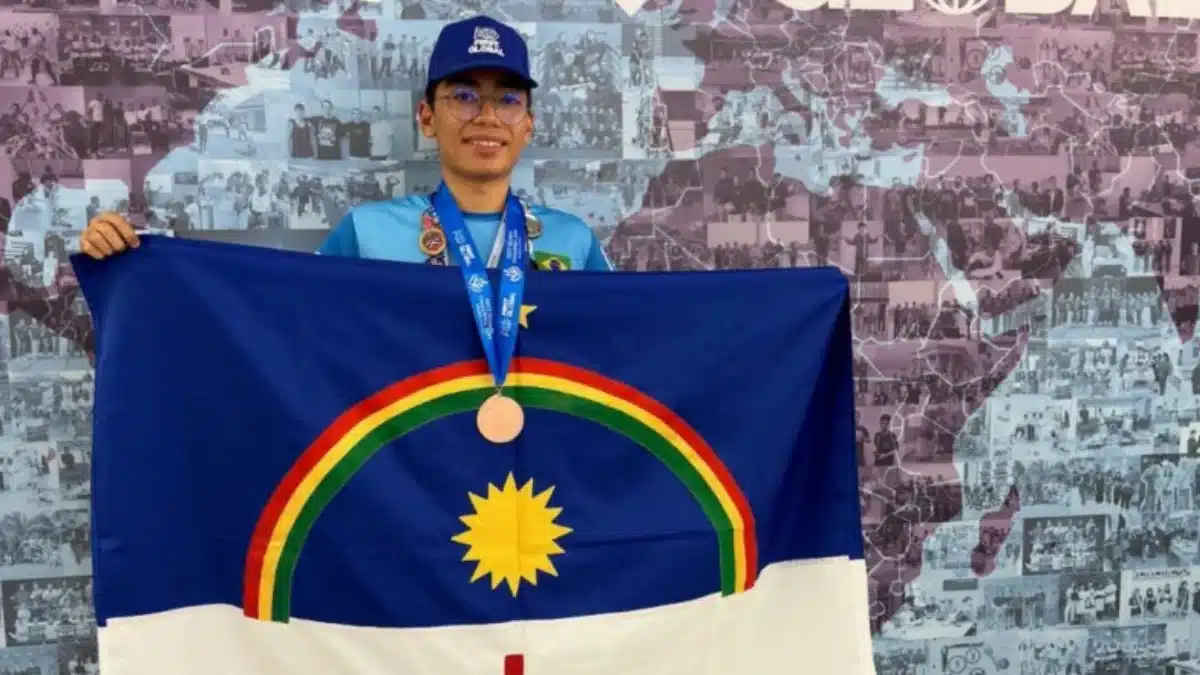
(500, 419)
(432, 242)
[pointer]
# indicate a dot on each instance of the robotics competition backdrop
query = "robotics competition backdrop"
(1010, 192)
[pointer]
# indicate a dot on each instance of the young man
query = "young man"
(477, 108)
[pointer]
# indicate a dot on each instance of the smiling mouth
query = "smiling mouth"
(485, 143)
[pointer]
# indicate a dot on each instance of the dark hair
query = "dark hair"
(508, 81)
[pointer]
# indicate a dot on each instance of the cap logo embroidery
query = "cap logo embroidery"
(487, 41)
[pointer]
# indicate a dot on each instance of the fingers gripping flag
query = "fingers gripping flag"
(288, 477)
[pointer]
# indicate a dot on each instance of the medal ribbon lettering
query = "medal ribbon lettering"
(496, 321)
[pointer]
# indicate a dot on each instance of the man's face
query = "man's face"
(486, 147)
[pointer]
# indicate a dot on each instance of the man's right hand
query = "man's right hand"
(108, 234)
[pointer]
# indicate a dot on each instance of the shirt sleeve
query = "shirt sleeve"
(342, 240)
(597, 259)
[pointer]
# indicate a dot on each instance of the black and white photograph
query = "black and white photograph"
(29, 43)
(39, 660)
(1168, 484)
(648, 127)
(307, 195)
(937, 609)
(78, 658)
(1146, 62)
(1155, 245)
(1033, 426)
(1141, 649)
(1059, 651)
(744, 118)
(898, 657)
(1107, 485)
(579, 104)
(235, 42)
(75, 470)
(98, 50)
(953, 546)
(1157, 541)
(1066, 544)
(35, 350)
(869, 310)
(46, 611)
(1020, 603)
(926, 437)
(911, 310)
(51, 406)
(238, 195)
(119, 122)
(395, 60)
(747, 204)
(1103, 369)
(356, 127)
(591, 189)
(332, 58)
(1160, 595)
(43, 122)
(45, 543)
(1115, 422)
(1088, 599)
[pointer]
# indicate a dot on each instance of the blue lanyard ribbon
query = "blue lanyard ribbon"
(497, 327)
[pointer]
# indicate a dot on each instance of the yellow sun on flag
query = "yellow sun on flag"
(512, 534)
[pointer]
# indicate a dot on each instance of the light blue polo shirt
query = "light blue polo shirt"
(389, 231)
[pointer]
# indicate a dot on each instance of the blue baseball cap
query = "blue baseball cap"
(477, 43)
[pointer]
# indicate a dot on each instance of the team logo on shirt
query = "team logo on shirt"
(487, 41)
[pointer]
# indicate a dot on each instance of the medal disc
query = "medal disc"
(500, 419)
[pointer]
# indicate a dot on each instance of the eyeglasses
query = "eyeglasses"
(467, 104)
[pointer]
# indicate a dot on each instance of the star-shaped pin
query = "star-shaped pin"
(526, 310)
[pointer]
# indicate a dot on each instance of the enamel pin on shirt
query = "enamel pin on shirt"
(432, 239)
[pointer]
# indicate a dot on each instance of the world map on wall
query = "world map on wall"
(1011, 193)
